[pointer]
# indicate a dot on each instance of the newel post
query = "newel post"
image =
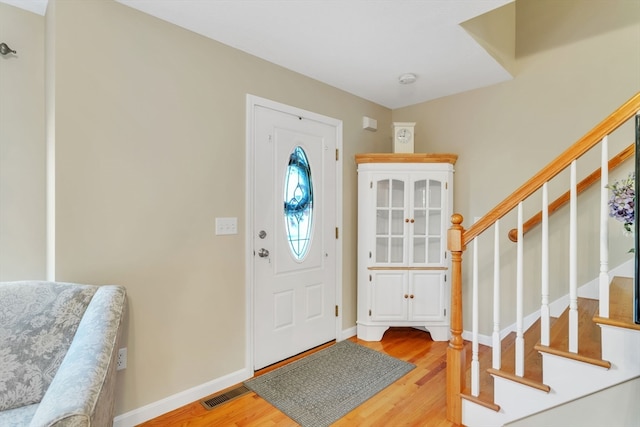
(456, 357)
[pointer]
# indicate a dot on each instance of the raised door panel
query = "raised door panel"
(389, 295)
(427, 289)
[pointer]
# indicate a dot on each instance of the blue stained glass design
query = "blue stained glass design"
(298, 203)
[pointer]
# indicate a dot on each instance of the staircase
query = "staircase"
(554, 375)
(539, 363)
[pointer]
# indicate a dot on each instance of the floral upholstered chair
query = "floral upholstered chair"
(58, 347)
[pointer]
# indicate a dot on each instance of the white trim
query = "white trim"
(178, 400)
(248, 203)
(339, 210)
(591, 289)
(347, 333)
(50, 146)
(604, 278)
(50, 254)
(252, 102)
(168, 404)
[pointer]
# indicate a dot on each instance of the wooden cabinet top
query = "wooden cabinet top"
(406, 158)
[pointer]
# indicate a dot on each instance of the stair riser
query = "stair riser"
(622, 348)
(614, 406)
(474, 415)
(518, 400)
(570, 379)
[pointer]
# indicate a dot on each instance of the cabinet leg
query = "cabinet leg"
(371, 332)
(439, 333)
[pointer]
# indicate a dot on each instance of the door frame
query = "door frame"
(252, 102)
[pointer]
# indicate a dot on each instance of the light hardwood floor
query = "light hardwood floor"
(417, 399)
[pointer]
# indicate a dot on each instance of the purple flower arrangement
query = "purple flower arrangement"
(623, 200)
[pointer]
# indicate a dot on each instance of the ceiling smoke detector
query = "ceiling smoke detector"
(407, 79)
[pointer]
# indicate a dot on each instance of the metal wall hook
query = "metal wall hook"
(4, 49)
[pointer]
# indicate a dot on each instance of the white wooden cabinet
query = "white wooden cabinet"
(404, 208)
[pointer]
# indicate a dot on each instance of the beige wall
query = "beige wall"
(150, 148)
(149, 130)
(577, 61)
(22, 151)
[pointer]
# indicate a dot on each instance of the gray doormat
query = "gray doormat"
(321, 388)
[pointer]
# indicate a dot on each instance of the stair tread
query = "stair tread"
(589, 339)
(575, 356)
(589, 349)
(533, 360)
(533, 367)
(522, 380)
(486, 381)
(483, 399)
(620, 308)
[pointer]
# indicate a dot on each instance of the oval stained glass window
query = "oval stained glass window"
(298, 203)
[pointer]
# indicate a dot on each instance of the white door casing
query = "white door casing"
(291, 301)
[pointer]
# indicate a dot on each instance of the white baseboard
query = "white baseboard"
(348, 333)
(488, 339)
(168, 404)
(591, 289)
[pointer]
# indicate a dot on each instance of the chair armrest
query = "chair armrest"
(82, 391)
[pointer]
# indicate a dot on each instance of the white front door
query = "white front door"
(293, 233)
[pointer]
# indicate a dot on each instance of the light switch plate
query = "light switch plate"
(226, 226)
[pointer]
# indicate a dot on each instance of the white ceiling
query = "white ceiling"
(35, 6)
(359, 46)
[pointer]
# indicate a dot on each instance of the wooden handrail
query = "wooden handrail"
(582, 185)
(580, 147)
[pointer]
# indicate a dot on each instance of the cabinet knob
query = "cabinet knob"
(406, 296)
(412, 220)
(406, 220)
(411, 296)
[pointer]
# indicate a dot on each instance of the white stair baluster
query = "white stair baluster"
(497, 348)
(544, 309)
(475, 364)
(519, 298)
(573, 263)
(603, 305)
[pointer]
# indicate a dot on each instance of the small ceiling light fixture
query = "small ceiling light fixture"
(4, 49)
(407, 78)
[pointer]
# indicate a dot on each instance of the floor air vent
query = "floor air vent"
(213, 401)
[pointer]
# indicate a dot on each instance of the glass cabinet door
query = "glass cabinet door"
(390, 220)
(427, 239)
